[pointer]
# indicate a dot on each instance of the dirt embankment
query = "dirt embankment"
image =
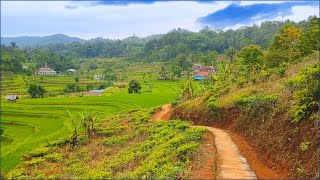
(271, 146)
(224, 160)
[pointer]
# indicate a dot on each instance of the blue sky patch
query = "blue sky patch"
(236, 14)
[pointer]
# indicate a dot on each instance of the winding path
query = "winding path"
(231, 164)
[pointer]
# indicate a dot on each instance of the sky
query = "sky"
(121, 19)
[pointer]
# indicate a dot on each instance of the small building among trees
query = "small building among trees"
(71, 70)
(46, 71)
(202, 72)
(98, 76)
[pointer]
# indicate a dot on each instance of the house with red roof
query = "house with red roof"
(202, 72)
(46, 71)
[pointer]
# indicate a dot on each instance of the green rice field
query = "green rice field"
(29, 123)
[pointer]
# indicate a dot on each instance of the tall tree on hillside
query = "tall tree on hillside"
(251, 55)
(310, 40)
(230, 52)
(183, 62)
(287, 44)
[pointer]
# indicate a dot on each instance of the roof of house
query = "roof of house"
(46, 69)
(208, 68)
(72, 70)
(201, 73)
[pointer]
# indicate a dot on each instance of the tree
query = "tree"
(19, 81)
(251, 55)
(188, 87)
(230, 52)
(134, 87)
(163, 73)
(183, 62)
(310, 38)
(36, 91)
(287, 43)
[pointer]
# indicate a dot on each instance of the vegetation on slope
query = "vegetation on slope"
(270, 98)
(124, 146)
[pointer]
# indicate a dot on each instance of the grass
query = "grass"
(53, 84)
(140, 149)
(29, 123)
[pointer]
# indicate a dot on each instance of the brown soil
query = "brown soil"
(232, 165)
(204, 166)
(164, 114)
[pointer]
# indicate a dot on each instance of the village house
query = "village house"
(98, 76)
(72, 71)
(46, 71)
(202, 72)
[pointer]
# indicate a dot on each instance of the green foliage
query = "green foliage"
(212, 105)
(188, 87)
(254, 100)
(54, 157)
(104, 85)
(255, 108)
(36, 91)
(34, 161)
(73, 87)
(251, 55)
(230, 53)
(305, 92)
(281, 70)
(304, 146)
(287, 43)
(39, 152)
(134, 87)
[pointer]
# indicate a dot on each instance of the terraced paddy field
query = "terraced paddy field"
(29, 123)
(53, 84)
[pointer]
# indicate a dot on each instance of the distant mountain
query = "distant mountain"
(36, 40)
(24, 41)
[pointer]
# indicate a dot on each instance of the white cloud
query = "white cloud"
(247, 3)
(39, 18)
(298, 13)
(45, 18)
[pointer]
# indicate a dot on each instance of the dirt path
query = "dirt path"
(164, 114)
(231, 164)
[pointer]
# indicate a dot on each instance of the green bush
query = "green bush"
(304, 146)
(212, 105)
(305, 88)
(38, 152)
(73, 87)
(254, 100)
(54, 157)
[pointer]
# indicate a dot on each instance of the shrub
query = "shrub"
(34, 161)
(254, 100)
(73, 87)
(38, 152)
(212, 105)
(304, 146)
(134, 87)
(305, 88)
(281, 70)
(36, 91)
(104, 85)
(55, 157)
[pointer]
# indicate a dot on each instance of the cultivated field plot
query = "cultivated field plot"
(53, 84)
(29, 123)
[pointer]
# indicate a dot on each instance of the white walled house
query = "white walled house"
(46, 71)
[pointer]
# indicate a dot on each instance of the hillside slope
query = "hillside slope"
(262, 115)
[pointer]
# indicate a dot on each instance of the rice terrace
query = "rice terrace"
(160, 90)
